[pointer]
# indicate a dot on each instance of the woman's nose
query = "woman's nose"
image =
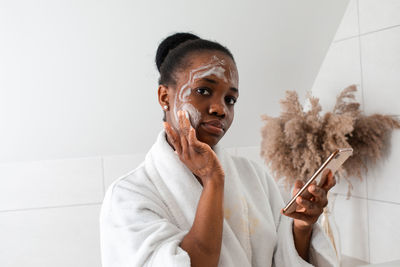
(217, 109)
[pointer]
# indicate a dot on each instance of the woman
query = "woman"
(190, 203)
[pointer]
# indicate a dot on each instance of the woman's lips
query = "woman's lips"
(214, 127)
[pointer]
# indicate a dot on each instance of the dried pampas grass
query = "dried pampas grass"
(295, 144)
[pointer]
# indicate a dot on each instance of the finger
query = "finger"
(311, 208)
(330, 182)
(195, 143)
(183, 136)
(318, 193)
(296, 215)
(297, 186)
(184, 122)
(310, 196)
(171, 132)
(173, 137)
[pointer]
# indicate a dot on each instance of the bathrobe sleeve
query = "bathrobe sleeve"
(136, 230)
(322, 252)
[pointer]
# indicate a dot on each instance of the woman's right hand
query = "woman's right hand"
(196, 155)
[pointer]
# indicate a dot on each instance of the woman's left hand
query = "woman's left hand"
(308, 210)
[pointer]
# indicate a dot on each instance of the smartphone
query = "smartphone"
(333, 163)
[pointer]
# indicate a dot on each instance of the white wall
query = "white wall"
(78, 101)
(366, 51)
(78, 79)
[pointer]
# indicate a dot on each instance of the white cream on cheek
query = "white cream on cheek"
(194, 114)
(215, 67)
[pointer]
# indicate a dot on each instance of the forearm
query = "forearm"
(302, 240)
(203, 241)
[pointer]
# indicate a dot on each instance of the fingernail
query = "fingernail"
(312, 187)
(186, 114)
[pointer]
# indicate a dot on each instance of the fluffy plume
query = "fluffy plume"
(296, 143)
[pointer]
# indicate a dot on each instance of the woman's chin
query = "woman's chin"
(208, 138)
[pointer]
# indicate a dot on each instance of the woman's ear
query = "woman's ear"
(164, 96)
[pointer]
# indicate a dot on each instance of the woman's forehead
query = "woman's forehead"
(208, 64)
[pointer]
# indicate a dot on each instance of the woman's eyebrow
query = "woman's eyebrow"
(209, 80)
(234, 89)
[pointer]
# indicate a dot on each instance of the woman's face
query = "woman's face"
(207, 89)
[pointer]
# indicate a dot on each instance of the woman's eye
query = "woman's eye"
(203, 91)
(230, 100)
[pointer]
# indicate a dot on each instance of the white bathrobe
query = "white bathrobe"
(146, 214)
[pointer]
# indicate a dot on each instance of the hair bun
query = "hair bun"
(170, 43)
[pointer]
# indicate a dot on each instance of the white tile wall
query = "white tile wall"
(359, 187)
(378, 14)
(384, 231)
(349, 25)
(381, 68)
(118, 165)
(384, 181)
(351, 217)
(50, 183)
(368, 222)
(341, 68)
(61, 237)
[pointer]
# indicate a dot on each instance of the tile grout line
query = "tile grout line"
(345, 39)
(383, 201)
(360, 59)
(363, 109)
(364, 34)
(371, 199)
(379, 30)
(368, 219)
(67, 158)
(53, 207)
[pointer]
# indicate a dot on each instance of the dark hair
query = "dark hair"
(172, 51)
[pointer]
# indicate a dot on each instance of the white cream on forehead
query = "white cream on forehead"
(216, 67)
(234, 76)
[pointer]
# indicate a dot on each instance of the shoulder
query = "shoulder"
(132, 191)
(135, 180)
